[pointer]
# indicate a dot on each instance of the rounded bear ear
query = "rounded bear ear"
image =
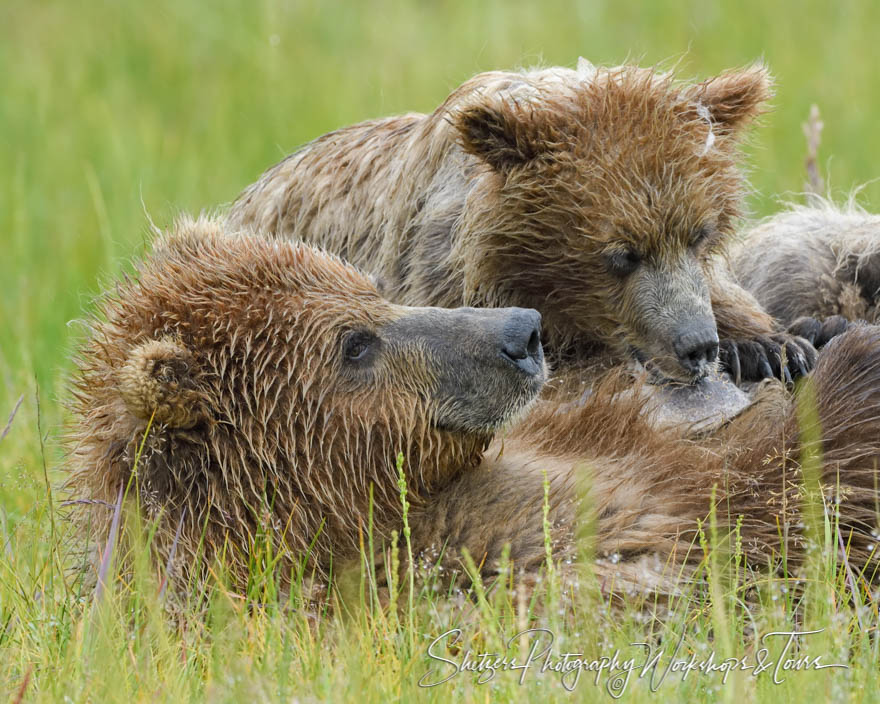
(159, 381)
(501, 134)
(734, 98)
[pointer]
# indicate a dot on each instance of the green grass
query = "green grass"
(111, 112)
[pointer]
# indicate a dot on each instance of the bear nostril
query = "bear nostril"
(515, 351)
(521, 340)
(702, 354)
(697, 347)
(712, 352)
(534, 343)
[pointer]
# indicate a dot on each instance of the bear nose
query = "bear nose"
(521, 340)
(696, 347)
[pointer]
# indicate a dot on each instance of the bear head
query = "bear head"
(605, 195)
(235, 378)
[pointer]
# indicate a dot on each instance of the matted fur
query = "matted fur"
(815, 260)
(227, 346)
(645, 491)
(521, 187)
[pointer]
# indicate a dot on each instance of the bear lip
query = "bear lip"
(662, 377)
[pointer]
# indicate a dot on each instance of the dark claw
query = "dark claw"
(786, 375)
(831, 327)
(809, 353)
(729, 358)
(773, 353)
(800, 354)
(780, 356)
(807, 328)
(797, 361)
(752, 359)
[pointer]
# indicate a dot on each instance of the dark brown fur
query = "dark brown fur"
(647, 490)
(230, 346)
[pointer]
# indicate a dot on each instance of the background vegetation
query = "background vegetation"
(112, 111)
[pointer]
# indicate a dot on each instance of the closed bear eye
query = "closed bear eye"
(357, 345)
(622, 262)
(703, 235)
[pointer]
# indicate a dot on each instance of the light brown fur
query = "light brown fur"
(532, 189)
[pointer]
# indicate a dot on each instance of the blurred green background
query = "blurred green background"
(113, 110)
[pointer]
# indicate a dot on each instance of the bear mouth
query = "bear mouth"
(662, 375)
(470, 415)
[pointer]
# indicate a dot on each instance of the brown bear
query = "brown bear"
(238, 384)
(817, 260)
(599, 196)
(275, 382)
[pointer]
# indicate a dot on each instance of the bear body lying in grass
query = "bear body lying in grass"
(238, 387)
(818, 261)
(600, 197)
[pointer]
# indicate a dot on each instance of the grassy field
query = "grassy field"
(113, 112)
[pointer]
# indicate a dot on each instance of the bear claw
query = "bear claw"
(782, 356)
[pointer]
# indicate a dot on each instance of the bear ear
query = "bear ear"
(159, 381)
(735, 98)
(503, 135)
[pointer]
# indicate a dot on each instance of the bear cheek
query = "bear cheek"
(634, 328)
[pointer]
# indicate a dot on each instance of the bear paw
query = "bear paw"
(819, 332)
(783, 356)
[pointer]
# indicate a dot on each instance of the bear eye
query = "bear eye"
(622, 262)
(356, 345)
(702, 235)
